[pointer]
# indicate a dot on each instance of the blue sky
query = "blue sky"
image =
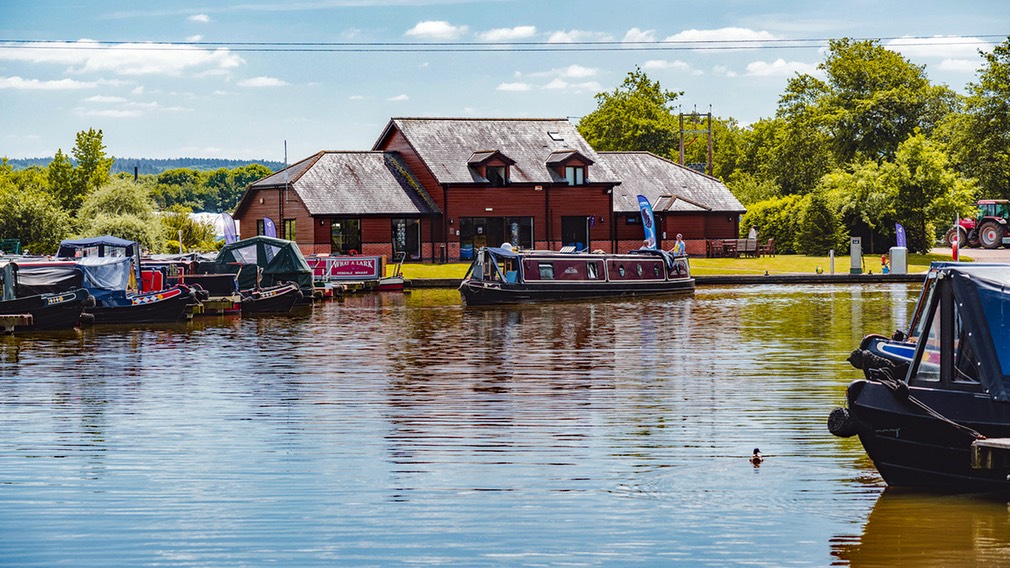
(214, 78)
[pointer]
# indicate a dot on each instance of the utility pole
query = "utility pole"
(696, 123)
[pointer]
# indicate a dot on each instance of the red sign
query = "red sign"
(346, 267)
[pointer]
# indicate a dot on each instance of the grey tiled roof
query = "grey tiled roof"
(447, 144)
(354, 183)
(644, 173)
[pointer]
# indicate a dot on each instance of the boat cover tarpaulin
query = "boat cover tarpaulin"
(107, 277)
(983, 293)
(279, 260)
(49, 278)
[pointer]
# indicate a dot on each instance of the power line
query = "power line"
(489, 47)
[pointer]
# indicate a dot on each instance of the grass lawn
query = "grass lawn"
(700, 266)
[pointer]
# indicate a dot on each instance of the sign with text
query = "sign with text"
(346, 267)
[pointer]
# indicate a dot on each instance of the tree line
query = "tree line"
(872, 144)
(78, 195)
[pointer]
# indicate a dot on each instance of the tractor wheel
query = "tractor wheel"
(962, 235)
(990, 234)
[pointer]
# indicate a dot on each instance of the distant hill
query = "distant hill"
(156, 166)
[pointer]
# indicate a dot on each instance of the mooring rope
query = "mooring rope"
(885, 376)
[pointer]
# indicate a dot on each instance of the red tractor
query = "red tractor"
(989, 229)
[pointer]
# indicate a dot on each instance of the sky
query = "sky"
(275, 80)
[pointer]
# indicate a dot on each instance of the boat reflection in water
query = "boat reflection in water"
(923, 529)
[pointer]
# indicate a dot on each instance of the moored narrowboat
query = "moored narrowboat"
(504, 276)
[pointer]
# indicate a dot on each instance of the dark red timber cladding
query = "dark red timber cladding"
(376, 230)
(578, 201)
(396, 142)
(255, 211)
(321, 232)
(722, 226)
(690, 226)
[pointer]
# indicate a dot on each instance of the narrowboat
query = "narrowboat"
(500, 275)
(941, 420)
(278, 299)
(48, 311)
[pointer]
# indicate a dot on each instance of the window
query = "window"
(260, 227)
(592, 271)
(496, 175)
(546, 271)
(407, 238)
(576, 175)
(289, 229)
(345, 235)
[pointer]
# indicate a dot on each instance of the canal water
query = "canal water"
(394, 430)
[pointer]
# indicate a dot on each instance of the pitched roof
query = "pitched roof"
(354, 183)
(446, 145)
(667, 185)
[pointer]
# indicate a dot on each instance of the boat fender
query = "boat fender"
(840, 423)
(87, 320)
(352, 252)
(89, 302)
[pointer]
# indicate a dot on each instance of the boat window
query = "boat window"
(620, 270)
(546, 271)
(929, 358)
(965, 362)
(639, 270)
(655, 271)
(591, 271)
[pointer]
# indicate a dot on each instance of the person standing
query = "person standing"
(679, 247)
(753, 234)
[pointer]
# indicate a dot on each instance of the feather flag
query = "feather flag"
(647, 222)
(269, 229)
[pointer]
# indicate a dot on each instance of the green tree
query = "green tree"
(980, 138)
(34, 217)
(876, 99)
(123, 209)
(61, 181)
(93, 168)
(818, 227)
(634, 116)
(196, 235)
(777, 218)
(864, 203)
(925, 186)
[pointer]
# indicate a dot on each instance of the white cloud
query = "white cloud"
(723, 71)
(515, 87)
(437, 30)
(262, 82)
(194, 38)
(570, 72)
(574, 36)
(960, 65)
(356, 98)
(399, 98)
(780, 68)
(105, 99)
(22, 84)
(739, 38)
(508, 34)
(109, 113)
(678, 65)
(940, 47)
(637, 35)
(88, 56)
(199, 18)
(561, 84)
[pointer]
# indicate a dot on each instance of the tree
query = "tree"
(196, 235)
(980, 138)
(777, 218)
(865, 205)
(61, 181)
(34, 217)
(635, 116)
(925, 186)
(93, 168)
(122, 209)
(873, 99)
(818, 227)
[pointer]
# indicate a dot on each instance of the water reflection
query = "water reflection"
(924, 529)
(394, 428)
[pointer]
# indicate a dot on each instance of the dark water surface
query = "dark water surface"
(408, 430)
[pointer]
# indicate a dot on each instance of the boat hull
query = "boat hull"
(482, 293)
(910, 448)
(274, 300)
(166, 306)
(49, 311)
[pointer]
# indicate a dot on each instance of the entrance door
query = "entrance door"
(575, 232)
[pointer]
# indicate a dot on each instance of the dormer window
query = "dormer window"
(496, 175)
(576, 175)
